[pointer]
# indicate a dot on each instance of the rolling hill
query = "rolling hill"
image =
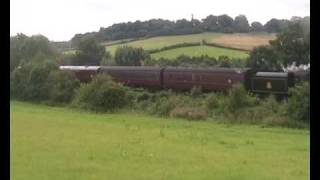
(245, 41)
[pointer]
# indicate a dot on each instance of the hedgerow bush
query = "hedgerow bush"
(29, 81)
(19, 81)
(237, 101)
(62, 86)
(101, 95)
(298, 107)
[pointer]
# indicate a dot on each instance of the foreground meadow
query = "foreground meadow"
(63, 143)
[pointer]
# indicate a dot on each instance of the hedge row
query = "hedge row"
(44, 83)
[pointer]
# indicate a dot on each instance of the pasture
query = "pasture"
(161, 41)
(199, 51)
(64, 143)
(244, 40)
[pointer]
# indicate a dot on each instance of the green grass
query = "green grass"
(161, 41)
(200, 50)
(62, 143)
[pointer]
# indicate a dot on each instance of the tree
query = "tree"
(210, 23)
(276, 25)
(107, 59)
(225, 24)
(256, 27)
(129, 56)
(62, 86)
(25, 49)
(264, 58)
(293, 45)
(241, 24)
(89, 52)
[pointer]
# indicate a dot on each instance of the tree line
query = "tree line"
(158, 27)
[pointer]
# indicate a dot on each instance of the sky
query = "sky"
(60, 20)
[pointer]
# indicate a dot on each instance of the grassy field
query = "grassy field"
(244, 40)
(62, 143)
(161, 41)
(238, 40)
(200, 50)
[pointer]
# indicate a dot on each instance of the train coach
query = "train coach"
(83, 73)
(209, 79)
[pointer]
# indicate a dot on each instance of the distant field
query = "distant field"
(200, 50)
(244, 41)
(161, 41)
(62, 143)
(238, 40)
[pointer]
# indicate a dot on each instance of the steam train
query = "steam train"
(209, 79)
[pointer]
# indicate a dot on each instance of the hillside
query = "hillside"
(245, 41)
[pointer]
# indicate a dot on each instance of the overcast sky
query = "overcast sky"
(60, 20)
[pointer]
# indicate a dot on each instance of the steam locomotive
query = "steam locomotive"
(209, 79)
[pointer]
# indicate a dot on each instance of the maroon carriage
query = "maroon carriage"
(83, 73)
(213, 79)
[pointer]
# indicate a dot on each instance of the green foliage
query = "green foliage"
(107, 60)
(237, 100)
(264, 58)
(241, 24)
(19, 81)
(160, 27)
(28, 81)
(293, 45)
(299, 103)
(276, 25)
(62, 86)
(89, 52)
(256, 27)
(38, 76)
(101, 94)
(23, 49)
(130, 56)
(196, 91)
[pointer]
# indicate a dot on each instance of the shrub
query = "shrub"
(298, 107)
(28, 81)
(62, 86)
(19, 81)
(196, 91)
(215, 103)
(130, 56)
(36, 88)
(163, 105)
(238, 100)
(101, 95)
(189, 113)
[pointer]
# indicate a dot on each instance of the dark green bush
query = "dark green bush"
(101, 95)
(19, 81)
(62, 86)
(237, 101)
(37, 88)
(196, 91)
(29, 81)
(163, 105)
(298, 107)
